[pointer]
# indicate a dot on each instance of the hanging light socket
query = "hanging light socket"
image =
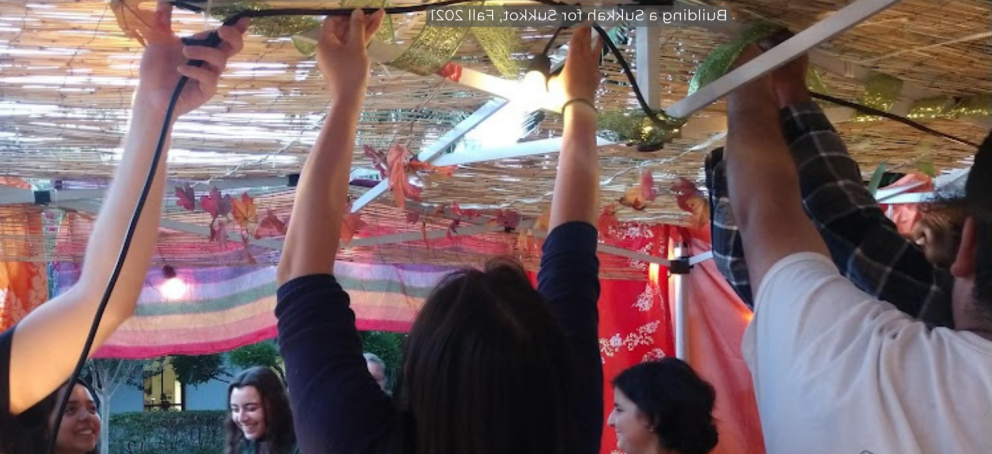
(169, 272)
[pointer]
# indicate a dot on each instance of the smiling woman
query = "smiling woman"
(260, 415)
(81, 423)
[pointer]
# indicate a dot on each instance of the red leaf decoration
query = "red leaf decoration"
(419, 166)
(509, 219)
(452, 229)
(632, 199)
(244, 212)
(464, 212)
(271, 223)
(412, 217)
(187, 198)
(607, 221)
(216, 204)
(646, 184)
(378, 160)
(399, 181)
(218, 232)
(684, 190)
(350, 225)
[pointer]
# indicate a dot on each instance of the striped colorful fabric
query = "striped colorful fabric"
(225, 308)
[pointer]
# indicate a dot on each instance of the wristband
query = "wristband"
(579, 101)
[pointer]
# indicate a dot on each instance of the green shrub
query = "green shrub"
(185, 432)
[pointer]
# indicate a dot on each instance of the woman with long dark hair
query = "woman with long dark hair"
(261, 421)
(663, 407)
(491, 365)
(39, 353)
(78, 432)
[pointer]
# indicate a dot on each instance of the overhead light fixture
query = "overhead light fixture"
(174, 288)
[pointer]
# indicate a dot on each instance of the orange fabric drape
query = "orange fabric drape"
(23, 285)
(717, 320)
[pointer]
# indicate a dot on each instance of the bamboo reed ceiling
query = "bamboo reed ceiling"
(67, 75)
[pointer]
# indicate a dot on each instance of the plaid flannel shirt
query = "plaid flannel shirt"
(865, 244)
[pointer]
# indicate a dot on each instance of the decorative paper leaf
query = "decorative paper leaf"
(638, 198)
(399, 182)
(244, 212)
(607, 221)
(646, 184)
(350, 225)
(684, 190)
(187, 198)
(464, 212)
(419, 166)
(412, 217)
(271, 223)
(632, 198)
(378, 160)
(509, 219)
(134, 22)
(876, 179)
(218, 232)
(216, 204)
(453, 229)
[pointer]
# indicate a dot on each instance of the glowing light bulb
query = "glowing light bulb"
(534, 90)
(534, 87)
(174, 289)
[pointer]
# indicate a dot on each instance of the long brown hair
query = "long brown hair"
(279, 435)
(486, 368)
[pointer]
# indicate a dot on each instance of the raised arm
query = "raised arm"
(762, 180)
(569, 275)
(576, 194)
(322, 193)
(863, 242)
(337, 405)
(47, 343)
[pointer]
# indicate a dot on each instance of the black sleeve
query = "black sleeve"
(569, 282)
(337, 405)
(16, 432)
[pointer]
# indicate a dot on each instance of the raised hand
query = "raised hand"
(341, 54)
(166, 59)
(581, 77)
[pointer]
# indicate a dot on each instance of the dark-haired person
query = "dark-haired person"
(663, 407)
(836, 370)
(39, 353)
(491, 365)
(863, 242)
(261, 421)
(78, 432)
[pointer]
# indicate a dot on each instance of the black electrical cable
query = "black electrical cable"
(894, 117)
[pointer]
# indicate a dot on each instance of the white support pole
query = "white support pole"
(799, 44)
(427, 155)
(613, 250)
(681, 312)
(648, 64)
(383, 240)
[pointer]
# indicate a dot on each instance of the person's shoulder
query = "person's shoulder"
(796, 272)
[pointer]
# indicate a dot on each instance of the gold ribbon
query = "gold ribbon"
(636, 127)
(881, 92)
